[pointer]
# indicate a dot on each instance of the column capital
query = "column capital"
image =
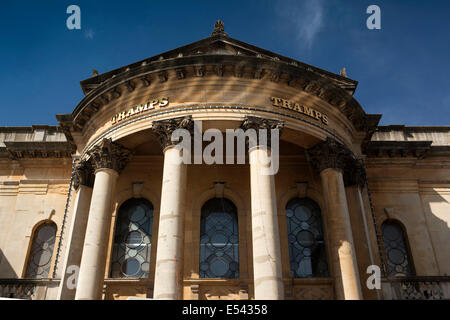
(355, 173)
(257, 123)
(333, 154)
(329, 154)
(83, 174)
(109, 155)
(165, 128)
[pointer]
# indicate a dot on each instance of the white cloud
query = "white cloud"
(304, 17)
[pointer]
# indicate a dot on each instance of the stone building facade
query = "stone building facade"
(99, 199)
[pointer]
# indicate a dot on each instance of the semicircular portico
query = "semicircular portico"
(122, 132)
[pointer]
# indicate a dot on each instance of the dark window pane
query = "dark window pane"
(394, 241)
(40, 258)
(307, 253)
(132, 240)
(219, 240)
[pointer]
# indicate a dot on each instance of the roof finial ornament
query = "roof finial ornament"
(94, 72)
(219, 29)
(343, 72)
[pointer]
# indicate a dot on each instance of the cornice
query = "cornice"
(400, 127)
(206, 64)
(224, 66)
(30, 129)
(31, 149)
(399, 149)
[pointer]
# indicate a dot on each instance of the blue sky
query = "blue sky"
(403, 69)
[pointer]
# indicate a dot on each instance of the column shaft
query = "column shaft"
(169, 256)
(74, 249)
(93, 261)
(361, 237)
(266, 241)
(342, 249)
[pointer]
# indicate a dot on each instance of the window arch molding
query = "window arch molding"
(31, 235)
(408, 252)
(243, 222)
(121, 197)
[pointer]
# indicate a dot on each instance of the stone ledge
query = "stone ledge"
(396, 149)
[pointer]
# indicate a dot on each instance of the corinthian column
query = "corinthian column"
(331, 158)
(169, 255)
(268, 284)
(108, 159)
(83, 181)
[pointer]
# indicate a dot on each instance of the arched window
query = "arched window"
(396, 249)
(132, 240)
(40, 258)
(307, 253)
(219, 240)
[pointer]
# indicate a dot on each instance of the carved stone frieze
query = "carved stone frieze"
(219, 70)
(145, 80)
(115, 93)
(104, 99)
(259, 72)
(199, 71)
(238, 71)
(162, 76)
(181, 74)
(130, 85)
(275, 76)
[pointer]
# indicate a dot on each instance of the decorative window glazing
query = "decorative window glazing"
(133, 240)
(395, 246)
(219, 240)
(40, 258)
(307, 253)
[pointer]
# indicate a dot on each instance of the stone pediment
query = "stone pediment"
(219, 44)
